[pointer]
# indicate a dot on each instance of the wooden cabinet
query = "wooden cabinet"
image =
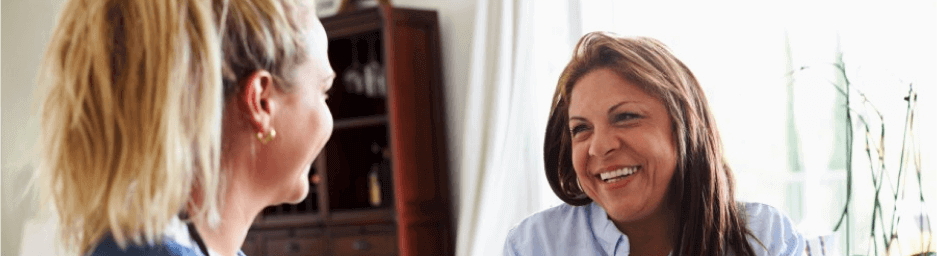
(381, 185)
(295, 246)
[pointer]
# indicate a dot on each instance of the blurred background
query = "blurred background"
(775, 74)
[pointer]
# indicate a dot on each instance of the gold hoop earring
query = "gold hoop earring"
(264, 139)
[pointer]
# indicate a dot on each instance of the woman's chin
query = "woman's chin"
(298, 194)
(622, 211)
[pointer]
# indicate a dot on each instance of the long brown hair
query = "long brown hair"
(710, 222)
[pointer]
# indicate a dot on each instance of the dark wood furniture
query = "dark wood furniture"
(381, 185)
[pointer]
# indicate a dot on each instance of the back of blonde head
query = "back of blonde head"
(131, 119)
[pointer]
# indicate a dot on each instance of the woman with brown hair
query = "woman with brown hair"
(168, 125)
(633, 150)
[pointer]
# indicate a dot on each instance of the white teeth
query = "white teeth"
(616, 175)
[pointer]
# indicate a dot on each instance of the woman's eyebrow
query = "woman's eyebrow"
(610, 110)
(328, 77)
(613, 107)
(578, 118)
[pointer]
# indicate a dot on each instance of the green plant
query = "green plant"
(858, 117)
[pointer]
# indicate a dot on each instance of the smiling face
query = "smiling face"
(622, 145)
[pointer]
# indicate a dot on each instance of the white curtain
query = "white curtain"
(519, 49)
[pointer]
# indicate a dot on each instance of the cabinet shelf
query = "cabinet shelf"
(357, 217)
(289, 221)
(337, 218)
(358, 122)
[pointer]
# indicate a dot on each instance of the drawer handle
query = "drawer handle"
(292, 247)
(361, 245)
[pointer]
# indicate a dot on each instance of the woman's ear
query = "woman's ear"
(256, 99)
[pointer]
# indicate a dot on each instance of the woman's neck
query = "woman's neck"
(239, 207)
(654, 235)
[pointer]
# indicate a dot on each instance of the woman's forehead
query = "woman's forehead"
(604, 87)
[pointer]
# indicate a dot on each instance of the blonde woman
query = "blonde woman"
(165, 112)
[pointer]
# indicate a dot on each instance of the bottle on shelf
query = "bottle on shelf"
(374, 182)
(374, 186)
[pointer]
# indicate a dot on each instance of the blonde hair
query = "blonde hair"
(262, 35)
(131, 119)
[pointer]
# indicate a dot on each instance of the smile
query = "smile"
(617, 175)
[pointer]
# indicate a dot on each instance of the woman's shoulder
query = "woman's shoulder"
(774, 231)
(554, 231)
(176, 241)
(554, 218)
(109, 247)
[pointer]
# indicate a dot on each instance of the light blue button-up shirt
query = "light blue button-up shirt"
(586, 230)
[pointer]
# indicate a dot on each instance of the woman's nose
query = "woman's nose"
(603, 143)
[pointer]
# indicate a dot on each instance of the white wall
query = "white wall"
(2, 185)
(26, 27)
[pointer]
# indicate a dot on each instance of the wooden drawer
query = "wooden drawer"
(376, 245)
(251, 246)
(296, 246)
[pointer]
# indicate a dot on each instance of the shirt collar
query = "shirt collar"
(178, 232)
(605, 231)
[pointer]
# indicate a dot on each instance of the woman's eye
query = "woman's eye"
(627, 116)
(578, 129)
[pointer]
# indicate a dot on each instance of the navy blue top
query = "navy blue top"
(176, 242)
(109, 247)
